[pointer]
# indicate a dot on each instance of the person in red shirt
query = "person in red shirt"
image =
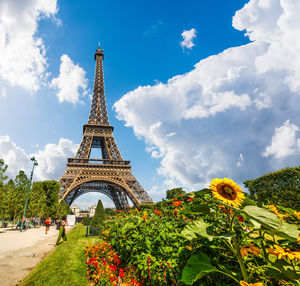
(48, 222)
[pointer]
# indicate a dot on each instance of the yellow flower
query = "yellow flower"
(227, 191)
(281, 253)
(244, 283)
(274, 210)
(297, 215)
(246, 249)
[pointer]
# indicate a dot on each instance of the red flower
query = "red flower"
(157, 212)
(190, 199)
(121, 273)
(177, 203)
(240, 218)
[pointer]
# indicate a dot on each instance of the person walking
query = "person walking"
(62, 231)
(47, 223)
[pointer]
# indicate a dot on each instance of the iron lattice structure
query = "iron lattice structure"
(110, 175)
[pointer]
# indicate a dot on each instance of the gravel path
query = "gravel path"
(20, 252)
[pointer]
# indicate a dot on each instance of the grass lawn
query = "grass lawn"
(65, 264)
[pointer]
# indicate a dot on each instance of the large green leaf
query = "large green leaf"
(196, 267)
(271, 223)
(196, 227)
(197, 209)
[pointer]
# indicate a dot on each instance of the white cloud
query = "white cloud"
(70, 80)
(228, 105)
(284, 142)
(51, 160)
(3, 92)
(23, 55)
(14, 156)
(188, 37)
(240, 161)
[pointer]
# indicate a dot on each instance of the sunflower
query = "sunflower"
(227, 191)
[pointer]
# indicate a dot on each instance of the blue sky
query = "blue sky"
(222, 103)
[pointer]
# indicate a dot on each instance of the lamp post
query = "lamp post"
(35, 163)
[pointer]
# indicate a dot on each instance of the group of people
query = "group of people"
(60, 225)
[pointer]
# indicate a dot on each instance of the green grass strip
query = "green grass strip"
(65, 264)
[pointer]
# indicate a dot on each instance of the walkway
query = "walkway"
(22, 251)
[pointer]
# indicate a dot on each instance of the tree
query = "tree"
(98, 218)
(86, 221)
(51, 190)
(174, 193)
(16, 192)
(3, 177)
(3, 168)
(277, 188)
(63, 209)
(37, 201)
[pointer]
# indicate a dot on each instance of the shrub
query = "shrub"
(86, 221)
(173, 193)
(147, 207)
(277, 188)
(98, 218)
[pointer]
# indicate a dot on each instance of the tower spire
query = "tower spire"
(98, 113)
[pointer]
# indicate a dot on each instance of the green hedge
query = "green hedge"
(147, 207)
(278, 188)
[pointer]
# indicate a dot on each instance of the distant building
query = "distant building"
(76, 210)
(92, 210)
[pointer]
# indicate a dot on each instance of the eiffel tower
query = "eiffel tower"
(110, 175)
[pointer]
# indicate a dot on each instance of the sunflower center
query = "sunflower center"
(227, 192)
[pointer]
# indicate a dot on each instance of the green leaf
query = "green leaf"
(197, 209)
(196, 267)
(196, 227)
(271, 223)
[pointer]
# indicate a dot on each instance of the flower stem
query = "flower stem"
(258, 267)
(239, 258)
(229, 275)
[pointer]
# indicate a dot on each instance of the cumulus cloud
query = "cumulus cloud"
(14, 156)
(188, 37)
(51, 160)
(70, 81)
(228, 105)
(284, 142)
(23, 54)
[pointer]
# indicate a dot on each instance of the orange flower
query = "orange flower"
(177, 203)
(190, 199)
(274, 210)
(157, 212)
(244, 283)
(246, 249)
(281, 253)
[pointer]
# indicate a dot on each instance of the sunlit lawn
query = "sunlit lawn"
(65, 264)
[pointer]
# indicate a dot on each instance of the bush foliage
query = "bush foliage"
(277, 188)
(173, 193)
(98, 218)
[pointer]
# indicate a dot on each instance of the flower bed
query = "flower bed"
(104, 267)
(216, 235)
